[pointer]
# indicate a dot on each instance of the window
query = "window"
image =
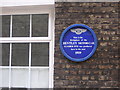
(26, 50)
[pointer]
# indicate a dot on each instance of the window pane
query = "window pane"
(21, 25)
(19, 77)
(20, 54)
(5, 26)
(4, 77)
(16, 88)
(4, 54)
(39, 78)
(0, 26)
(40, 54)
(40, 25)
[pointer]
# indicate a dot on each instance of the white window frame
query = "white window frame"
(45, 9)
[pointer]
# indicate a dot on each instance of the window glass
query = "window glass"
(5, 26)
(21, 25)
(20, 54)
(39, 78)
(40, 25)
(0, 26)
(19, 78)
(40, 54)
(4, 77)
(4, 54)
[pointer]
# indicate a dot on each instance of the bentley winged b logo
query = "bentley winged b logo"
(78, 31)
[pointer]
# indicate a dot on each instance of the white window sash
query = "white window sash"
(31, 10)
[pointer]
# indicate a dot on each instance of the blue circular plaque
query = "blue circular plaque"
(78, 42)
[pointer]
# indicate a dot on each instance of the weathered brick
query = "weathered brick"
(85, 77)
(92, 78)
(105, 66)
(101, 70)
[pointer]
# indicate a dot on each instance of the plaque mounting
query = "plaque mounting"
(78, 42)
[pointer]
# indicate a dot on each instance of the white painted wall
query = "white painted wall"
(36, 9)
(87, 0)
(6, 3)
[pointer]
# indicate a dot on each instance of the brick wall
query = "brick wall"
(101, 70)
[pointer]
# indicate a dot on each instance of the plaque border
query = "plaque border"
(81, 59)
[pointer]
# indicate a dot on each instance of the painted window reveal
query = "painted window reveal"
(78, 42)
